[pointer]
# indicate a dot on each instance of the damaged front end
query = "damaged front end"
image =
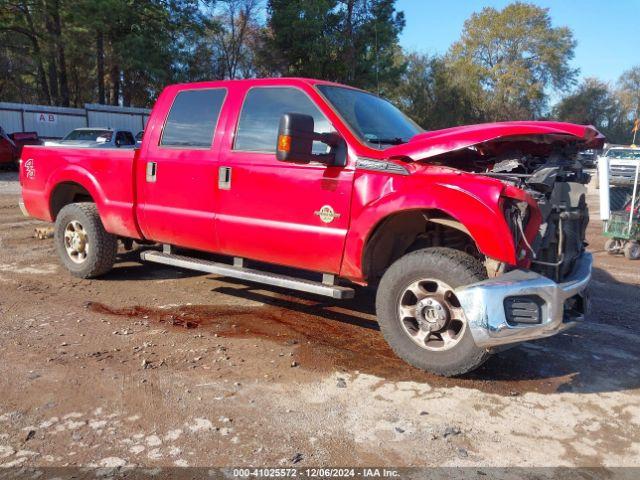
(544, 200)
(546, 209)
(557, 185)
(544, 204)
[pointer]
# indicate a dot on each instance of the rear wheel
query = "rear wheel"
(85, 248)
(420, 315)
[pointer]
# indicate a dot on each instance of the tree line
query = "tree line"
(507, 64)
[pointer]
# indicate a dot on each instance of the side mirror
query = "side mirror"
(295, 142)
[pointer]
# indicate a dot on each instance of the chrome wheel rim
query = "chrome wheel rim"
(76, 242)
(431, 316)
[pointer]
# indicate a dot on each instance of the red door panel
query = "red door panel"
(177, 172)
(272, 211)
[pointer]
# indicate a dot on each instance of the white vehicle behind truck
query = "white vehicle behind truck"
(622, 164)
(622, 161)
(95, 138)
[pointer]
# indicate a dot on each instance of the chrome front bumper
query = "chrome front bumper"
(484, 304)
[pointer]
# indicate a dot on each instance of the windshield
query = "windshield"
(626, 153)
(89, 135)
(371, 118)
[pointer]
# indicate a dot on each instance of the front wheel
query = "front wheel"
(420, 316)
(85, 248)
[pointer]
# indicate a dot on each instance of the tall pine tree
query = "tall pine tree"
(349, 41)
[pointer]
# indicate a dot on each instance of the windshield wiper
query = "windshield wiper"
(387, 141)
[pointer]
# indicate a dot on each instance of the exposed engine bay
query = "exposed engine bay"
(554, 177)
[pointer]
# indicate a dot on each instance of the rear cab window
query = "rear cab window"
(193, 118)
(263, 107)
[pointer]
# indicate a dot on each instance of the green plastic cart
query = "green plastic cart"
(623, 232)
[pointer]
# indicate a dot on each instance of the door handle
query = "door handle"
(224, 178)
(152, 170)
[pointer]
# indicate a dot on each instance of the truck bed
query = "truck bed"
(93, 170)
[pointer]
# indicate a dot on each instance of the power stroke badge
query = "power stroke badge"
(326, 214)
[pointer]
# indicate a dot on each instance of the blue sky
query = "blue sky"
(607, 32)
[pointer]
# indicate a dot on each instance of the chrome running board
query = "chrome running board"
(243, 273)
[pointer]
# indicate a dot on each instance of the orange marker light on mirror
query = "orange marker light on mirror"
(284, 143)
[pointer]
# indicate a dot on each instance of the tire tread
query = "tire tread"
(105, 244)
(459, 265)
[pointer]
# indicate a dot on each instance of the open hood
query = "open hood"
(540, 135)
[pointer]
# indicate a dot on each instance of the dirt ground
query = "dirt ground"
(107, 373)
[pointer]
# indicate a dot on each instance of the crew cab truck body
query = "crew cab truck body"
(474, 236)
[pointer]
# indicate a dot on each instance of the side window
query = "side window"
(260, 117)
(193, 118)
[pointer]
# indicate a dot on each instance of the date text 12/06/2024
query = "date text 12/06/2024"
(315, 473)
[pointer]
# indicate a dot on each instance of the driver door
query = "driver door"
(283, 213)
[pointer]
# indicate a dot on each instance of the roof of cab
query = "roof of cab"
(283, 81)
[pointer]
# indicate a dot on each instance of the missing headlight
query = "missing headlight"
(517, 215)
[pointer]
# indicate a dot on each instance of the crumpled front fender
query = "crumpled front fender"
(472, 200)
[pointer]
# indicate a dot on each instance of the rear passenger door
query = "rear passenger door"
(178, 170)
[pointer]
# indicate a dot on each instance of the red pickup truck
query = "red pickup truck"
(474, 236)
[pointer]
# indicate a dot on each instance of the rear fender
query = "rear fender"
(80, 176)
(117, 217)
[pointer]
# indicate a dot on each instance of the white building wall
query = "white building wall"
(56, 122)
(11, 117)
